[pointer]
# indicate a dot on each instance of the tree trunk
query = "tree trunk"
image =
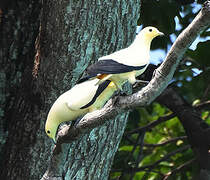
(72, 35)
(20, 103)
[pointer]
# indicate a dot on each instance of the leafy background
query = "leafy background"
(146, 151)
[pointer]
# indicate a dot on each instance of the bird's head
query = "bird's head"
(150, 32)
(51, 128)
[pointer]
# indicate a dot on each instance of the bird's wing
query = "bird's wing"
(106, 67)
(110, 66)
(85, 94)
(100, 89)
(83, 79)
(81, 94)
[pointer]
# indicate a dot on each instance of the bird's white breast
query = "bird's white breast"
(137, 54)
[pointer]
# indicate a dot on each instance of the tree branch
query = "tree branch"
(152, 124)
(146, 95)
(166, 142)
(203, 106)
(151, 166)
(197, 130)
(167, 156)
(178, 169)
(143, 97)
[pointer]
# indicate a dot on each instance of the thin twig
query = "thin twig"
(155, 164)
(178, 169)
(203, 105)
(166, 142)
(140, 154)
(140, 139)
(152, 124)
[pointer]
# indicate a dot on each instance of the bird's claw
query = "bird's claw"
(140, 82)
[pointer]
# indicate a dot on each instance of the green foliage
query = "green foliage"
(191, 84)
(160, 14)
(201, 54)
(191, 80)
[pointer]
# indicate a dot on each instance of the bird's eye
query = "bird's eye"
(48, 132)
(150, 30)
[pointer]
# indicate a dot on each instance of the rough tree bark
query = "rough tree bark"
(72, 35)
(19, 102)
(197, 130)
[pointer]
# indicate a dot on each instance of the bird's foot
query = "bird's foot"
(157, 71)
(140, 82)
(119, 87)
(117, 96)
(77, 121)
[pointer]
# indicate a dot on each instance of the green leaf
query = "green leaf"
(126, 148)
(201, 54)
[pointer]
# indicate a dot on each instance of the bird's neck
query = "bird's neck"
(141, 42)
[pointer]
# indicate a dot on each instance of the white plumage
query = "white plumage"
(127, 63)
(108, 74)
(81, 99)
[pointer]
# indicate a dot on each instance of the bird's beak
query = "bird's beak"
(160, 33)
(54, 141)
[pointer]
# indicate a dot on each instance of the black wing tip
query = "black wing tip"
(100, 89)
(83, 79)
(110, 66)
